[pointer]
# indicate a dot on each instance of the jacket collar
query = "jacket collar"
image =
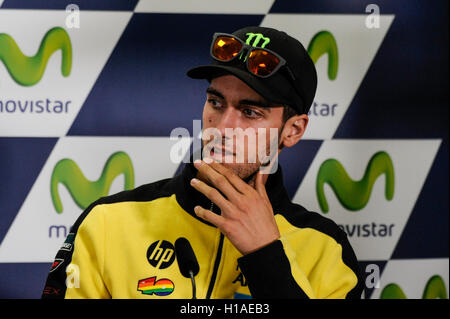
(188, 197)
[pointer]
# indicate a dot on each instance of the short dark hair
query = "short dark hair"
(288, 112)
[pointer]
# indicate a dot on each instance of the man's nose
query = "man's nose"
(229, 119)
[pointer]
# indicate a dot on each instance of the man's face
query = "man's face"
(231, 105)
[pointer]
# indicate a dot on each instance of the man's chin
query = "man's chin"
(243, 170)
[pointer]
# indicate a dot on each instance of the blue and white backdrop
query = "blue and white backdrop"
(91, 90)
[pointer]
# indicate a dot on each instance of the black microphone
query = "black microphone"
(187, 262)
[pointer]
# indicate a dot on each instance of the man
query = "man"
(249, 239)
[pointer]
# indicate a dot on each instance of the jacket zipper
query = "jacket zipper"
(216, 263)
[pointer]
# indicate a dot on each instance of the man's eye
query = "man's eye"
(214, 103)
(251, 113)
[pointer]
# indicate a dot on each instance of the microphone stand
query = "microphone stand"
(191, 274)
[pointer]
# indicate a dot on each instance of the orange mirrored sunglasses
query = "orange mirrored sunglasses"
(260, 62)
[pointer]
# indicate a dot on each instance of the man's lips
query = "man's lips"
(223, 150)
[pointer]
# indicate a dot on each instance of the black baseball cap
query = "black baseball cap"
(294, 84)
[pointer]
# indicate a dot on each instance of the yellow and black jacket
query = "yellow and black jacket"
(122, 246)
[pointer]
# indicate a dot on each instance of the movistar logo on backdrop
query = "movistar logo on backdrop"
(28, 70)
(84, 191)
(322, 43)
(435, 288)
(354, 195)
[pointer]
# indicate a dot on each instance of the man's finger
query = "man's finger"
(212, 193)
(260, 187)
(235, 180)
(209, 216)
(217, 179)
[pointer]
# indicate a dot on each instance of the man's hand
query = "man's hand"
(247, 217)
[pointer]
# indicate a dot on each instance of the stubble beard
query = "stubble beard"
(246, 171)
(243, 170)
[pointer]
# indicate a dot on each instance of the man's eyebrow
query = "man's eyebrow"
(264, 104)
(260, 103)
(213, 91)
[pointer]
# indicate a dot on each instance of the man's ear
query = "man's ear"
(293, 130)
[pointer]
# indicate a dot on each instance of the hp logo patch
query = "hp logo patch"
(161, 254)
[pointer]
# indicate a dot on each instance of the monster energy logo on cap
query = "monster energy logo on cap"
(257, 37)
